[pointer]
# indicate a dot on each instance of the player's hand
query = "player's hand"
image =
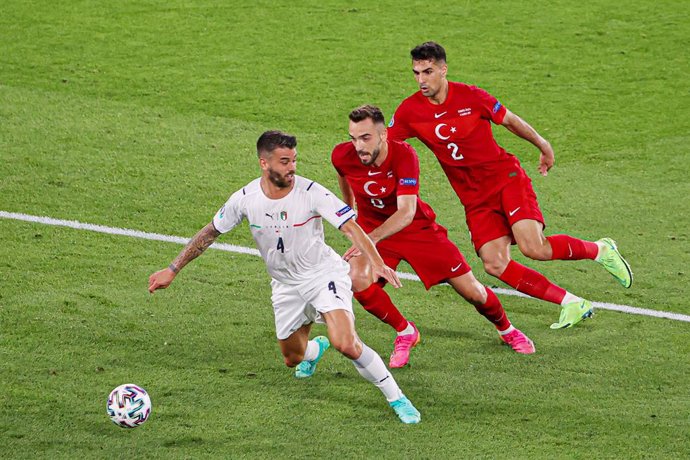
(387, 273)
(352, 252)
(161, 279)
(546, 159)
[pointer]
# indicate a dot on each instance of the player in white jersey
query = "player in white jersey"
(310, 282)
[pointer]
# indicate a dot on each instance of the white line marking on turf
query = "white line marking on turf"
(122, 231)
(244, 250)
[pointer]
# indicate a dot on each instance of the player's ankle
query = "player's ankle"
(408, 330)
(601, 247)
(570, 298)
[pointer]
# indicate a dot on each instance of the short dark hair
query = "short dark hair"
(271, 140)
(428, 51)
(363, 112)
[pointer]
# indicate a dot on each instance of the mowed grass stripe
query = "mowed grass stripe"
(251, 251)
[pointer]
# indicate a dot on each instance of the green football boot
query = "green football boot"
(614, 263)
(572, 313)
(307, 368)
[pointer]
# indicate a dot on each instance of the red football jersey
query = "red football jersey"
(376, 188)
(459, 133)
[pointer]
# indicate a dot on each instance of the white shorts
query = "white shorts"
(297, 305)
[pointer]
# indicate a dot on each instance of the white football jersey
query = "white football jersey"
(289, 231)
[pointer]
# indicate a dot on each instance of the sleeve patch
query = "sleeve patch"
(497, 107)
(343, 211)
(411, 181)
(392, 122)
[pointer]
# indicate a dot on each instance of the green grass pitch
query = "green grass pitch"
(144, 115)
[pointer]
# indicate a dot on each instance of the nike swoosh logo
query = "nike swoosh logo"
(454, 269)
(373, 173)
(514, 211)
(438, 115)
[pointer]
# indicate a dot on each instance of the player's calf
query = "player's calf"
(293, 359)
(566, 247)
(376, 301)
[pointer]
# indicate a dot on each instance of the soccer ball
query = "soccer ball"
(129, 405)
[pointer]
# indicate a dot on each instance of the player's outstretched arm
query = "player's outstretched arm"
(196, 246)
(521, 128)
(360, 239)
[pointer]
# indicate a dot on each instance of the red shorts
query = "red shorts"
(493, 217)
(429, 251)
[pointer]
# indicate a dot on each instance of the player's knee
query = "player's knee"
(534, 250)
(495, 267)
(361, 279)
(476, 295)
(347, 346)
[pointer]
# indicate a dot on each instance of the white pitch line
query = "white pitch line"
(244, 250)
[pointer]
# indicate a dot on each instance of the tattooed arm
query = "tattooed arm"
(196, 246)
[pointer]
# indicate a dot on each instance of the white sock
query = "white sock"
(312, 351)
(569, 298)
(510, 329)
(371, 367)
(408, 330)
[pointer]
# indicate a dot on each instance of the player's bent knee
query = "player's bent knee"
(359, 282)
(361, 279)
(495, 267)
(535, 252)
(347, 347)
(350, 352)
(476, 295)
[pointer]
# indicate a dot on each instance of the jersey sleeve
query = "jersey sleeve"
(406, 167)
(329, 206)
(231, 214)
(490, 107)
(398, 129)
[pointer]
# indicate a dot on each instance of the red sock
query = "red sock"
(532, 283)
(493, 311)
(376, 301)
(565, 247)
